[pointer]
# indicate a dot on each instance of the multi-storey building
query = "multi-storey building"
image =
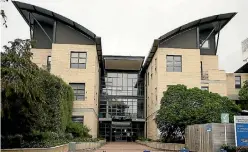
(117, 97)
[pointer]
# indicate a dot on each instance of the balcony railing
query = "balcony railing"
(204, 75)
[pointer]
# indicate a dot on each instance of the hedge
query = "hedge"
(33, 100)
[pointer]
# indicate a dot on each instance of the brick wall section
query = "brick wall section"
(151, 97)
(232, 92)
(40, 56)
(216, 78)
(209, 62)
(89, 76)
(190, 76)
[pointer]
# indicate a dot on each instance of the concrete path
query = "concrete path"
(125, 147)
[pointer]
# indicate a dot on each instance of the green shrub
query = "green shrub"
(101, 138)
(13, 141)
(144, 139)
(230, 148)
(69, 136)
(84, 139)
(78, 129)
(35, 104)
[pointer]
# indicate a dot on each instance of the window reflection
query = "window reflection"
(122, 95)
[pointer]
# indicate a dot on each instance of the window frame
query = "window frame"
(78, 58)
(237, 86)
(78, 117)
(203, 88)
(49, 62)
(173, 66)
(155, 65)
(77, 94)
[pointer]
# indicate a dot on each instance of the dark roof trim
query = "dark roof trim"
(54, 16)
(116, 57)
(221, 17)
(64, 20)
(243, 69)
(150, 55)
(207, 20)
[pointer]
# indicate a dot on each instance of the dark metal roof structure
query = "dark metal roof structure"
(123, 60)
(50, 16)
(243, 69)
(221, 19)
(120, 57)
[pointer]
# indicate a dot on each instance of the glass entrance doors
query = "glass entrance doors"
(121, 133)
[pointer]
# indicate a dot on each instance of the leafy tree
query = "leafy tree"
(243, 96)
(181, 107)
(4, 17)
(33, 100)
(243, 93)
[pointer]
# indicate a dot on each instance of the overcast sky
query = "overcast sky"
(128, 27)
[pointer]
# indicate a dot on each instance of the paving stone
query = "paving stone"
(125, 147)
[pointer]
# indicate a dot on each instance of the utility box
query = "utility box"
(72, 147)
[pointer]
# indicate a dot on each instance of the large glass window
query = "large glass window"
(174, 63)
(122, 94)
(78, 60)
(237, 82)
(79, 91)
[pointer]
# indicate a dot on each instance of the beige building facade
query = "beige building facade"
(187, 55)
(88, 77)
(118, 97)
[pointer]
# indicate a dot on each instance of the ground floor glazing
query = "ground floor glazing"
(121, 130)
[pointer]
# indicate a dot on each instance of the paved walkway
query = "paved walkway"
(124, 147)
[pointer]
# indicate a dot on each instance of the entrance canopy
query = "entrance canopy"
(130, 63)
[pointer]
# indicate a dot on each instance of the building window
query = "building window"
(79, 119)
(206, 45)
(237, 82)
(204, 88)
(49, 59)
(156, 65)
(156, 97)
(79, 90)
(78, 60)
(174, 63)
(148, 78)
